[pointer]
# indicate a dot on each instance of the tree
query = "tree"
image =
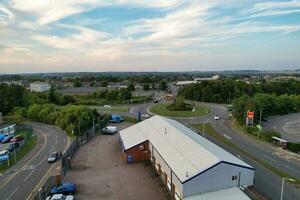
(146, 86)
(11, 96)
(124, 94)
(163, 85)
(131, 87)
(66, 99)
(34, 111)
(104, 83)
(77, 83)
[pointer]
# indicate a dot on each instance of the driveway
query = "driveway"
(101, 173)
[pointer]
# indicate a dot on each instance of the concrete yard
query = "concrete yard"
(100, 172)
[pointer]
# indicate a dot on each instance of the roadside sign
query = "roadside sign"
(250, 114)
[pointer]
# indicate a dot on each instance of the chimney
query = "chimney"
(1, 120)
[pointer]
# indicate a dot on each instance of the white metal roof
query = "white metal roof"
(233, 193)
(185, 151)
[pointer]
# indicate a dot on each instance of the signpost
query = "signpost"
(250, 118)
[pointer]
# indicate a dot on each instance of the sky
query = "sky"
(148, 35)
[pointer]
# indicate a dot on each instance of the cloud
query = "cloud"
(5, 15)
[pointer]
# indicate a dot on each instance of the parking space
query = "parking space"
(100, 172)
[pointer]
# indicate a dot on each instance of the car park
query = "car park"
(60, 197)
(109, 130)
(17, 138)
(65, 188)
(4, 155)
(7, 139)
(12, 146)
(54, 156)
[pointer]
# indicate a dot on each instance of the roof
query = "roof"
(233, 193)
(185, 151)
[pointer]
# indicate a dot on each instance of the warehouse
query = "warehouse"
(188, 164)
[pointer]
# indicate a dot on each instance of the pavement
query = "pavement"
(23, 178)
(287, 125)
(100, 172)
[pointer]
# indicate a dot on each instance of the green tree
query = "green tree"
(131, 87)
(124, 94)
(77, 83)
(163, 85)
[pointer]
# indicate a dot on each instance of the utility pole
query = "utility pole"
(260, 116)
(282, 186)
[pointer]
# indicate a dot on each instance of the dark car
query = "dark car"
(54, 156)
(12, 146)
(17, 138)
(65, 188)
(7, 139)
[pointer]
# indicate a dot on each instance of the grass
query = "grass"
(22, 151)
(161, 109)
(210, 131)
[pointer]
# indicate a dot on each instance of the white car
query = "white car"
(217, 117)
(107, 106)
(60, 197)
(145, 116)
(109, 130)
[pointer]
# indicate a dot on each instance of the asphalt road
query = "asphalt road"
(20, 184)
(266, 182)
(287, 125)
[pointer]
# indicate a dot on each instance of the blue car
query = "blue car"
(4, 155)
(116, 119)
(2, 136)
(7, 139)
(65, 188)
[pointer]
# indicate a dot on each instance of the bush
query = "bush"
(268, 134)
(180, 105)
(294, 147)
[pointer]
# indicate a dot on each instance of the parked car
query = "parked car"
(145, 116)
(217, 117)
(65, 188)
(109, 130)
(17, 138)
(116, 118)
(60, 197)
(107, 106)
(4, 155)
(2, 136)
(54, 156)
(12, 146)
(6, 139)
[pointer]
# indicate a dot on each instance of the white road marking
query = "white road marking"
(12, 193)
(291, 168)
(269, 158)
(42, 161)
(29, 175)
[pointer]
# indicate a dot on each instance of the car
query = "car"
(7, 139)
(65, 188)
(107, 106)
(145, 116)
(2, 136)
(116, 118)
(109, 130)
(17, 138)
(60, 197)
(12, 146)
(217, 117)
(4, 155)
(54, 156)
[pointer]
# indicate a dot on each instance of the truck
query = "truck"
(116, 118)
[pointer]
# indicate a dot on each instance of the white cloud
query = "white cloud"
(5, 15)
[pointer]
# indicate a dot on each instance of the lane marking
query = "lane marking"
(13, 193)
(29, 175)
(44, 145)
(42, 161)
(269, 158)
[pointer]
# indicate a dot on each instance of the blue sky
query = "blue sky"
(148, 35)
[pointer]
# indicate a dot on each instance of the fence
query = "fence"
(44, 191)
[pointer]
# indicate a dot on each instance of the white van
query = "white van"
(109, 130)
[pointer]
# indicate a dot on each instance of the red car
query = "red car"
(17, 138)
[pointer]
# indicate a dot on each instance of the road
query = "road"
(287, 125)
(22, 182)
(266, 182)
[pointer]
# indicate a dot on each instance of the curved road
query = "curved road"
(21, 183)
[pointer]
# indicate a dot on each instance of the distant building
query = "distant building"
(39, 87)
(197, 80)
(190, 166)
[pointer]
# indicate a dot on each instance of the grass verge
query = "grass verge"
(161, 109)
(22, 151)
(210, 131)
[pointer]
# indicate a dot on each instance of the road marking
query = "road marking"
(44, 135)
(29, 175)
(291, 168)
(269, 158)
(42, 161)
(13, 193)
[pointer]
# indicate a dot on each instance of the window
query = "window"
(141, 147)
(234, 178)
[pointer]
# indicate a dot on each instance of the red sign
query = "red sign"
(250, 114)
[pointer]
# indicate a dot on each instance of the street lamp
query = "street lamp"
(282, 185)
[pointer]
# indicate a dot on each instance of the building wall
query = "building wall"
(218, 177)
(139, 152)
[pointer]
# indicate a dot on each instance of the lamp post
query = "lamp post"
(282, 185)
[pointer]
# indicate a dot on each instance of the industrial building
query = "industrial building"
(39, 87)
(189, 165)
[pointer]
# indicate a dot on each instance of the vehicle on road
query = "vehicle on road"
(7, 139)
(4, 155)
(107, 106)
(60, 197)
(217, 117)
(12, 146)
(155, 101)
(116, 118)
(65, 188)
(145, 116)
(17, 138)
(2, 136)
(54, 156)
(109, 130)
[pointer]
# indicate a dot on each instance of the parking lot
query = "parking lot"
(100, 172)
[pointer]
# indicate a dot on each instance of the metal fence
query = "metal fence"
(44, 191)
